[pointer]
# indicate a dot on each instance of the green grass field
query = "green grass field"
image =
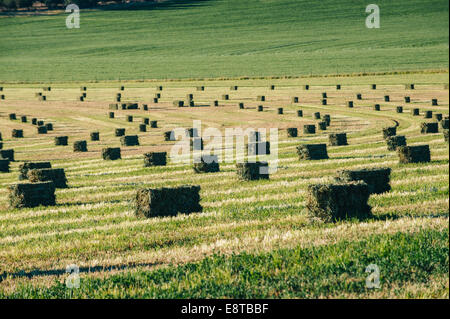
(225, 38)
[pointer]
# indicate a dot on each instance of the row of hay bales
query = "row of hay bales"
(42, 127)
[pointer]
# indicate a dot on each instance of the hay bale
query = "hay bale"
(169, 136)
(84, 94)
(80, 146)
(4, 165)
(153, 124)
(387, 98)
(376, 178)
(83, 88)
(445, 132)
(207, 164)
(61, 140)
(292, 132)
(81, 98)
(294, 99)
(377, 107)
(258, 148)
(47, 88)
(374, 86)
(216, 103)
(119, 132)
(178, 103)
(306, 87)
(111, 153)
(49, 126)
(299, 113)
(324, 95)
(438, 117)
(12, 116)
(111, 115)
(155, 159)
(338, 86)
(95, 136)
(118, 94)
(113, 106)
(234, 88)
(414, 154)
(272, 87)
(280, 110)
(434, 102)
(31, 194)
(389, 131)
(159, 88)
(17, 133)
(445, 124)
(241, 105)
(252, 171)
(189, 97)
(1, 146)
(327, 119)
(200, 88)
(129, 140)
(157, 95)
(395, 141)
(191, 103)
(118, 99)
(337, 139)
(2, 96)
(359, 96)
(42, 130)
(407, 99)
(324, 102)
(350, 104)
(1, 136)
(145, 120)
(131, 106)
(7, 154)
(399, 109)
(155, 100)
(142, 128)
(25, 167)
(225, 97)
(145, 107)
(428, 114)
(312, 151)
(427, 128)
(129, 118)
(415, 112)
(309, 129)
(55, 175)
(338, 201)
(23, 119)
(316, 115)
(121, 88)
(161, 202)
(40, 123)
(260, 108)
(34, 121)
(410, 86)
(322, 125)
(260, 98)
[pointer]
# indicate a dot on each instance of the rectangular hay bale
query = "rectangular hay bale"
(161, 202)
(22, 195)
(338, 201)
(376, 178)
(155, 159)
(55, 175)
(312, 151)
(414, 154)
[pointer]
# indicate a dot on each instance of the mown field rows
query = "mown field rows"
(261, 223)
